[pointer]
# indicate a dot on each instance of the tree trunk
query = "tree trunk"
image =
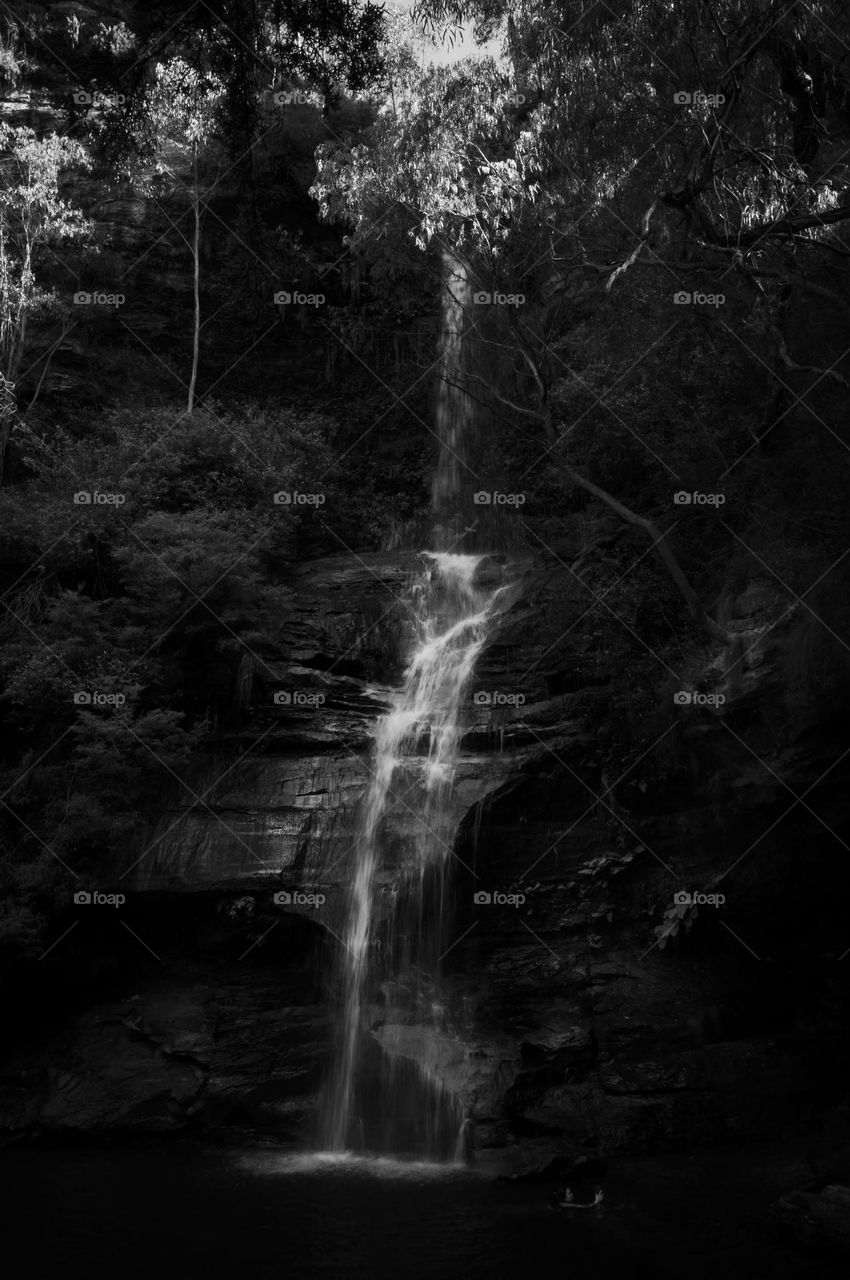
(46, 366)
(8, 403)
(196, 253)
(7, 415)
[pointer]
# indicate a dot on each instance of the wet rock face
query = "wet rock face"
(817, 1220)
(277, 805)
(635, 935)
(586, 1008)
(239, 1053)
(277, 809)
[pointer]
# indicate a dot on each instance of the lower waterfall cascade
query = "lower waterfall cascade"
(375, 1101)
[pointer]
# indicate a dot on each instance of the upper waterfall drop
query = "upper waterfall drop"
(455, 408)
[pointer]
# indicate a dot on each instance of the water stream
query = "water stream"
(400, 895)
(407, 1110)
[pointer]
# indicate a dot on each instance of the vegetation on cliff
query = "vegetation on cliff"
(221, 257)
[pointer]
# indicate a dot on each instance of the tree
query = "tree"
(730, 170)
(33, 219)
(251, 49)
(186, 104)
(738, 117)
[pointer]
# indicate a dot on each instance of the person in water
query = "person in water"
(569, 1201)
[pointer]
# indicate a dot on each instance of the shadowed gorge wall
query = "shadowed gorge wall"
(515, 476)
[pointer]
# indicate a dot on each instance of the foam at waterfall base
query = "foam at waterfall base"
(351, 1163)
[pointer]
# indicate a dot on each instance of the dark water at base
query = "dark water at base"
(193, 1213)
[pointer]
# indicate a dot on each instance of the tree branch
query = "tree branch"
(697, 612)
(48, 358)
(695, 607)
(784, 226)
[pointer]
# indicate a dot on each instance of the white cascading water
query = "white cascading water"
(393, 947)
(413, 767)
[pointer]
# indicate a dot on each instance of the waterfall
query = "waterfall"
(400, 899)
(455, 409)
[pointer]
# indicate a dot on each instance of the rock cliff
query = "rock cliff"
(641, 958)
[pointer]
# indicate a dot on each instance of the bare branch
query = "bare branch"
(697, 612)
